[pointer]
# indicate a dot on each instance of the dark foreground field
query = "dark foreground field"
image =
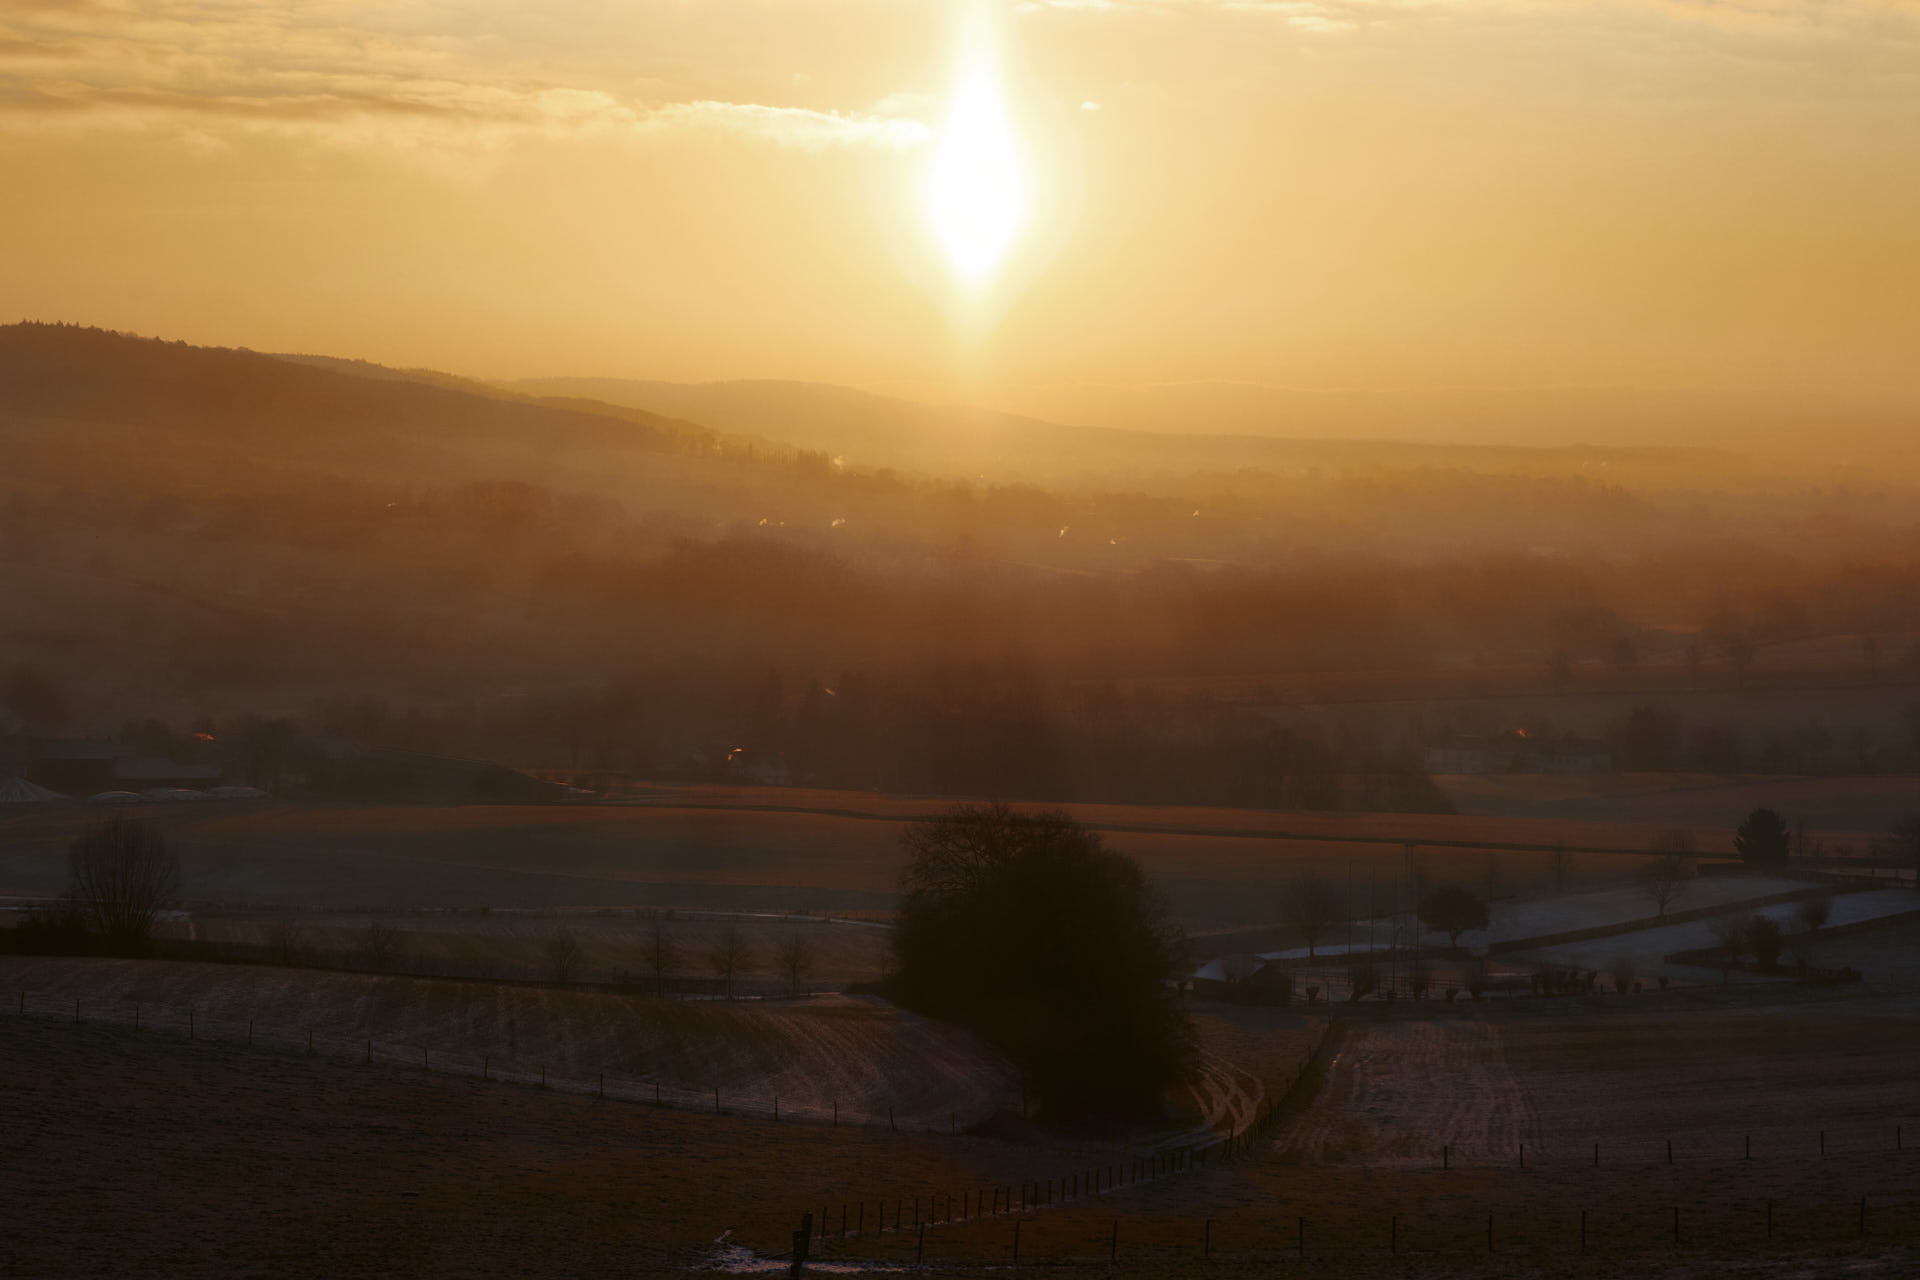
(148, 1154)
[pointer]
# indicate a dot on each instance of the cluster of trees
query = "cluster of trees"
(1656, 739)
(1027, 929)
(413, 550)
(1311, 907)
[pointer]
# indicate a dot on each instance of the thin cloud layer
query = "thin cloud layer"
(207, 73)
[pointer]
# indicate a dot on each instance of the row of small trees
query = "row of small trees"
(1310, 908)
(730, 955)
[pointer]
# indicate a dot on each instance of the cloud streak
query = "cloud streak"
(211, 74)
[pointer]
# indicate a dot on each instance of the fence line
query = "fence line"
(1300, 1231)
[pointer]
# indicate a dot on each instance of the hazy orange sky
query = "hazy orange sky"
(1316, 193)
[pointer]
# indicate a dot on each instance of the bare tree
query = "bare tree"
(563, 954)
(1560, 863)
(286, 941)
(381, 942)
(1624, 973)
(122, 875)
(1363, 979)
(730, 957)
(1812, 913)
(661, 956)
(1729, 934)
(1309, 908)
(795, 958)
(1664, 877)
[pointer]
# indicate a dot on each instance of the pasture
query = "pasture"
(781, 850)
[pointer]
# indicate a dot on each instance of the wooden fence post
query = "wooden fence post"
(1016, 1243)
(1113, 1246)
(801, 1239)
(1206, 1241)
(1583, 1231)
(920, 1246)
(1300, 1240)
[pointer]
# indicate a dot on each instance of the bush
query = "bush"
(1762, 839)
(1027, 929)
(1453, 911)
(57, 930)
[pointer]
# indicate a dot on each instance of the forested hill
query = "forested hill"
(65, 373)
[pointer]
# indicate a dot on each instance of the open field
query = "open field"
(1353, 1182)
(151, 1154)
(778, 849)
(258, 1160)
(859, 1055)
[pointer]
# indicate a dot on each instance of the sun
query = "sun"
(975, 196)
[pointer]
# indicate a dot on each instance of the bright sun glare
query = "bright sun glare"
(975, 195)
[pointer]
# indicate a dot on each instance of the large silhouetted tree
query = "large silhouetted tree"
(1026, 928)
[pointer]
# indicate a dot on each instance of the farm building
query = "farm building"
(1243, 979)
(83, 766)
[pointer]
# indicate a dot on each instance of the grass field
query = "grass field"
(260, 1160)
(860, 1056)
(778, 849)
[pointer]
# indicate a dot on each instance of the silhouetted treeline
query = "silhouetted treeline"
(188, 533)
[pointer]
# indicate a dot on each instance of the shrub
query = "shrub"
(1453, 911)
(1764, 939)
(1762, 839)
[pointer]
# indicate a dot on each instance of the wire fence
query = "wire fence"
(896, 1232)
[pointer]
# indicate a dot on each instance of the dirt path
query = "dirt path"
(1395, 1094)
